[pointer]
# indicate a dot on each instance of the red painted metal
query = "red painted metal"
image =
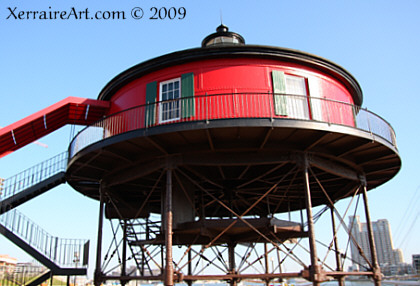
(71, 110)
(234, 75)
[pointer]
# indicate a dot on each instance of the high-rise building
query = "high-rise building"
(385, 251)
(416, 262)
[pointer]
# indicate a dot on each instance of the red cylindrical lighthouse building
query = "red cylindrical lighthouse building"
(202, 148)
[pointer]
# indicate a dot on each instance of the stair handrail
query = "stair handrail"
(61, 251)
(33, 175)
(21, 274)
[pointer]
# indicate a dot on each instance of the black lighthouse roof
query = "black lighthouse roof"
(223, 37)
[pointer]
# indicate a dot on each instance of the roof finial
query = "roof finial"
(221, 17)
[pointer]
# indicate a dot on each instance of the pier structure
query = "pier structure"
(201, 151)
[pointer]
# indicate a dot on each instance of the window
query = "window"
(297, 102)
(170, 92)
(174, 101)
(290, 95)
(295, 85)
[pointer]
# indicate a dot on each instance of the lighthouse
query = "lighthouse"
(196, 153)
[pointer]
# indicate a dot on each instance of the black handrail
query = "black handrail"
(61, 251)
(237, 105)
(33, 175)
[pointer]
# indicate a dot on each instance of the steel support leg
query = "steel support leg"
(232, 263)
(340, 279)
(124, 254)
(169, 268)
(314, 269)
(377, 277)
(267, 281)
(98, 270)
(189, 282)
(280, 264)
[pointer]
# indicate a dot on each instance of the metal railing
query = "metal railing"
(236, 105)
(62, 251)
(20, 274)
(33, 175)
(144, 229)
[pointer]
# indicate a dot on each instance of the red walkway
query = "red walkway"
(72, 110)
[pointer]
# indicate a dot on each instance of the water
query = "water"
(291, 282)
(297, 282)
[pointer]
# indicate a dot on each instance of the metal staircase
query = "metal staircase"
(60, 256)
(37, 280)
(25, 274)
(139, 231)
(53, 252)
(33, 182)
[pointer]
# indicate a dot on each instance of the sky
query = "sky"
(45, 61)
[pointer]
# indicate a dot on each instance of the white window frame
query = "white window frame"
(176, 102)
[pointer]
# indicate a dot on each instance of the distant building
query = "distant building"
(29, 267)
(416, 262)
(397, 269)
(7, 264)
(385, 251)
(398, 255)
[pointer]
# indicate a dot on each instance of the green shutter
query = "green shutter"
(150, 111)
(187, 95)
(279, 89)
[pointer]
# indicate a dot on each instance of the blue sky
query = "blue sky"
(44, 61)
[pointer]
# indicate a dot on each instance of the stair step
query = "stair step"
(32, 192)
(39, 279)
(48, 250)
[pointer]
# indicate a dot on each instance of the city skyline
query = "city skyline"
(382, 235)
